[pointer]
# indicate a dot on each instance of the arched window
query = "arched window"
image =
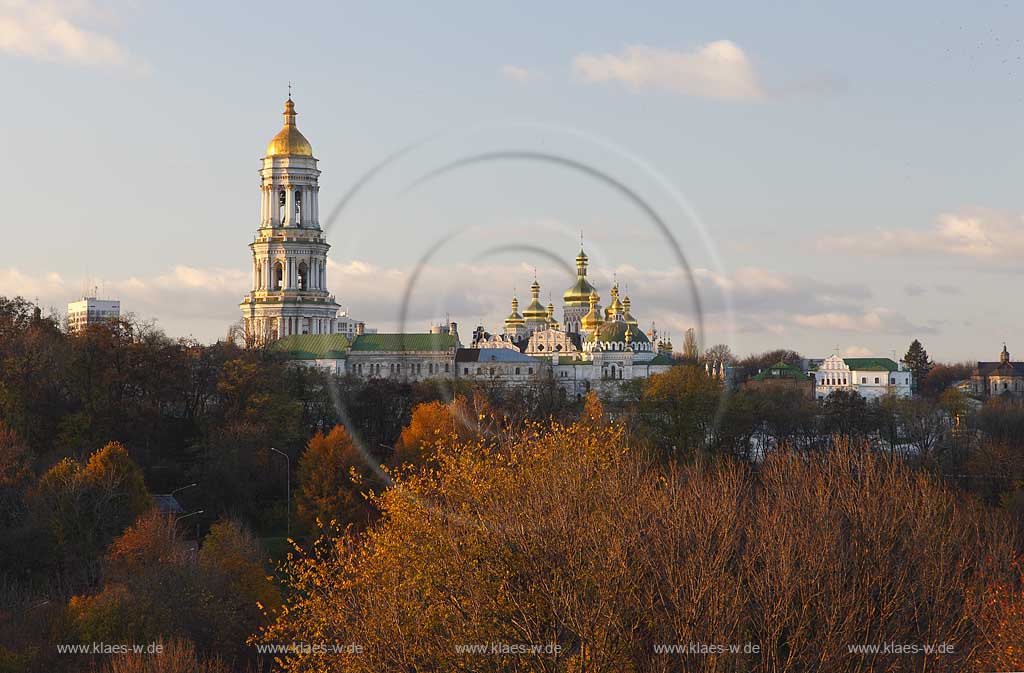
(299, 215)
(278, 276)
(303, 276)
(282, 201)
(876, 379)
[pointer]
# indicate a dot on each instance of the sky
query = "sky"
(806, 175)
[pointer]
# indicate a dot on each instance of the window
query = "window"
(876, 379)
(530, 370)
(446, 370)
(892, 381)
(465, 370)
(479, 371)
(517, 370)
(863, 379)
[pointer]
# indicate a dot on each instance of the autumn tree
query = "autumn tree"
(563, 535)
(332, 475)
(83, 507)
(680, 409)
(436, 424)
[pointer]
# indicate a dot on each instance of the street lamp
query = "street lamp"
(288, 486)
(182, 488)
(198, 511)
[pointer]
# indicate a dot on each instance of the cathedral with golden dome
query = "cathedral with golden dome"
(591, 346)
(289, 305)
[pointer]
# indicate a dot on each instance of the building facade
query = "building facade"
(92, 311)
(870, 377)
(289, 292)
(1004, 377)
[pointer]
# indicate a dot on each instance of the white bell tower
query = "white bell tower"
(289, 292)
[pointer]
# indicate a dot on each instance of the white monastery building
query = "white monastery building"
(871, 377)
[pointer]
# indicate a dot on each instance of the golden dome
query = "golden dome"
(535, 310)
(579, 293)
(289, 141)
(626, 315)
(615, 309)
(514, 318)
(592, 319)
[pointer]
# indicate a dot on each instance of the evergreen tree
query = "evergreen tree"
(918, 362)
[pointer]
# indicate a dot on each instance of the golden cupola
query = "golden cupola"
(536, 310)
(626, 315)
(289, 142)
(579, 293)
(552, 322)
(592, 320)
(615, 308)
(514, 318)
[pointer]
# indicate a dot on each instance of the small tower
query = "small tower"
(514, 325)
(1004, 357)
(590, 322)
(615, 307)
(535, 317)
(552, 322)
(576, 300)
(626, 315)
(289, 292)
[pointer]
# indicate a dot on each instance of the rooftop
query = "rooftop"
(404, 342)
(313, 346)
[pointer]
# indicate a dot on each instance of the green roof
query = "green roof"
(313, 346)
(871, 364)
(661, 359)
(615, 331)
(780, 370)
(404, 342)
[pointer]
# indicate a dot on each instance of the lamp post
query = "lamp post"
(185, 516)
(198, 511)
(182, 488)
(288, 491)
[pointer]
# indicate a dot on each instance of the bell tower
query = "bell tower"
(288, 293)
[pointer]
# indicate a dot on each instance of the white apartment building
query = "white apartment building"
(92, 311)
(871, 377)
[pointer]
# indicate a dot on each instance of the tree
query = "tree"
(15, 476)
(719, 354)
(918, 362)
(237, 591)
(679, 409)
(593, 410)
(85, 507)
(565, 536)
(332, 475)
(690, 351)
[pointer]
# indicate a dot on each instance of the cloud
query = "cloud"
(978, 234)
(718, 69)
(53, 30)
(184, 299)
(872, 321)
(520, 74)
